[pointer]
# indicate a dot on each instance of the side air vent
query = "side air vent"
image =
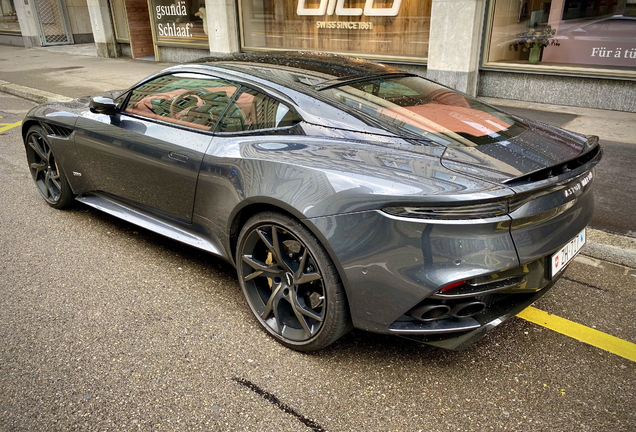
(58, 131)
(555, 170)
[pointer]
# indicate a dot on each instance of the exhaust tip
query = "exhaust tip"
(467, 309)
(429, 312)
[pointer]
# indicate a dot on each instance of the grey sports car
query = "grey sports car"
(346, 193)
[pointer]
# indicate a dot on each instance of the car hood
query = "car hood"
(538, 148)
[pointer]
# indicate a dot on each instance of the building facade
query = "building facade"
(568, 52)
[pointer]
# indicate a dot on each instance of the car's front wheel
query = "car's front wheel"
(290, 283)
(46, 172)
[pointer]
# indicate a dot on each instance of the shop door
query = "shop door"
(138, 16)
(54, 28)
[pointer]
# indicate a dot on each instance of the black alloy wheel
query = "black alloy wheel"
(290, 283)
(45, 170)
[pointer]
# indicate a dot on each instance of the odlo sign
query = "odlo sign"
(337, 7)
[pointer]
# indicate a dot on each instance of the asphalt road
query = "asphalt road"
(105, 326)
(614, 189)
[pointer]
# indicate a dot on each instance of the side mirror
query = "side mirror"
(103, 105)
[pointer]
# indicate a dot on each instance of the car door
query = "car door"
(149, 154)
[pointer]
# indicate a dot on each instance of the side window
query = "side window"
(187, 99)
(253, 110)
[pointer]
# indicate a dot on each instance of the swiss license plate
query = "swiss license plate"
(560, 259)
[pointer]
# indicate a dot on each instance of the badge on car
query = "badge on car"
(560, 259)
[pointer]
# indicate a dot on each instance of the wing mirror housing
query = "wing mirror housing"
(103, 105)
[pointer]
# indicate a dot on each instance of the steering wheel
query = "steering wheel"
(174, 105)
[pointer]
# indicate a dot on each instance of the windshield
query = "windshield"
(422, 108)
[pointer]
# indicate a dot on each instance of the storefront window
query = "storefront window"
(8, 17)
(120, 23)
(182, 23)
(371, 28)
(594, 35)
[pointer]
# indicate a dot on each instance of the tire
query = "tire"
(290, 283)
(47, 174)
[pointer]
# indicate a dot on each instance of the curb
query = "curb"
(610, 253)
(608, 247)
(35, 95)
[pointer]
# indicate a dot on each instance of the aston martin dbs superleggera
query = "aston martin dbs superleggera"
(346, 193)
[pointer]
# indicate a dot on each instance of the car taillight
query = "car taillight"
(469, 211)
(450, 286)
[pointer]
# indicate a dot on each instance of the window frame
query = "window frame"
(118, 37)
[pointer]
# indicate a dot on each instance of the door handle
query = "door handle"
(179, 157)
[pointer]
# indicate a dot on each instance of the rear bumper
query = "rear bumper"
(390, 264)
(497, 314)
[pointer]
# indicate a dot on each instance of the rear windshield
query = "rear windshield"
(419, 107)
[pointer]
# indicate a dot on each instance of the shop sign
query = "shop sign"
(618, 53)
(337, 7)
(181, 22)
(389, 28)
(596, 49)
(329, 7)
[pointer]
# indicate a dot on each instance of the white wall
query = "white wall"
(222, 26)
(77, 12)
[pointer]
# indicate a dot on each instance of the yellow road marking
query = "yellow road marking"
(6, 126)
(580, 332)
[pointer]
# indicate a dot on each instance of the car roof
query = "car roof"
(291, 68)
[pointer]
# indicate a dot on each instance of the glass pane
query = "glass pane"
(420, 107)
(253, 111)
(118, 8)
(576, 33)
(187, 99)
(379, 27)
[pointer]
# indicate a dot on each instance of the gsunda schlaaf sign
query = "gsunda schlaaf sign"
(180, 22)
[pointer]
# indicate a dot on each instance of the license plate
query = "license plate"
(561, 258)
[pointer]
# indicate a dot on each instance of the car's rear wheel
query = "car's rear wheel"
(290, 283)
(48, 177)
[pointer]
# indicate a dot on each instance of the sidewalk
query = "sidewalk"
(608, 125)
(59, 73)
